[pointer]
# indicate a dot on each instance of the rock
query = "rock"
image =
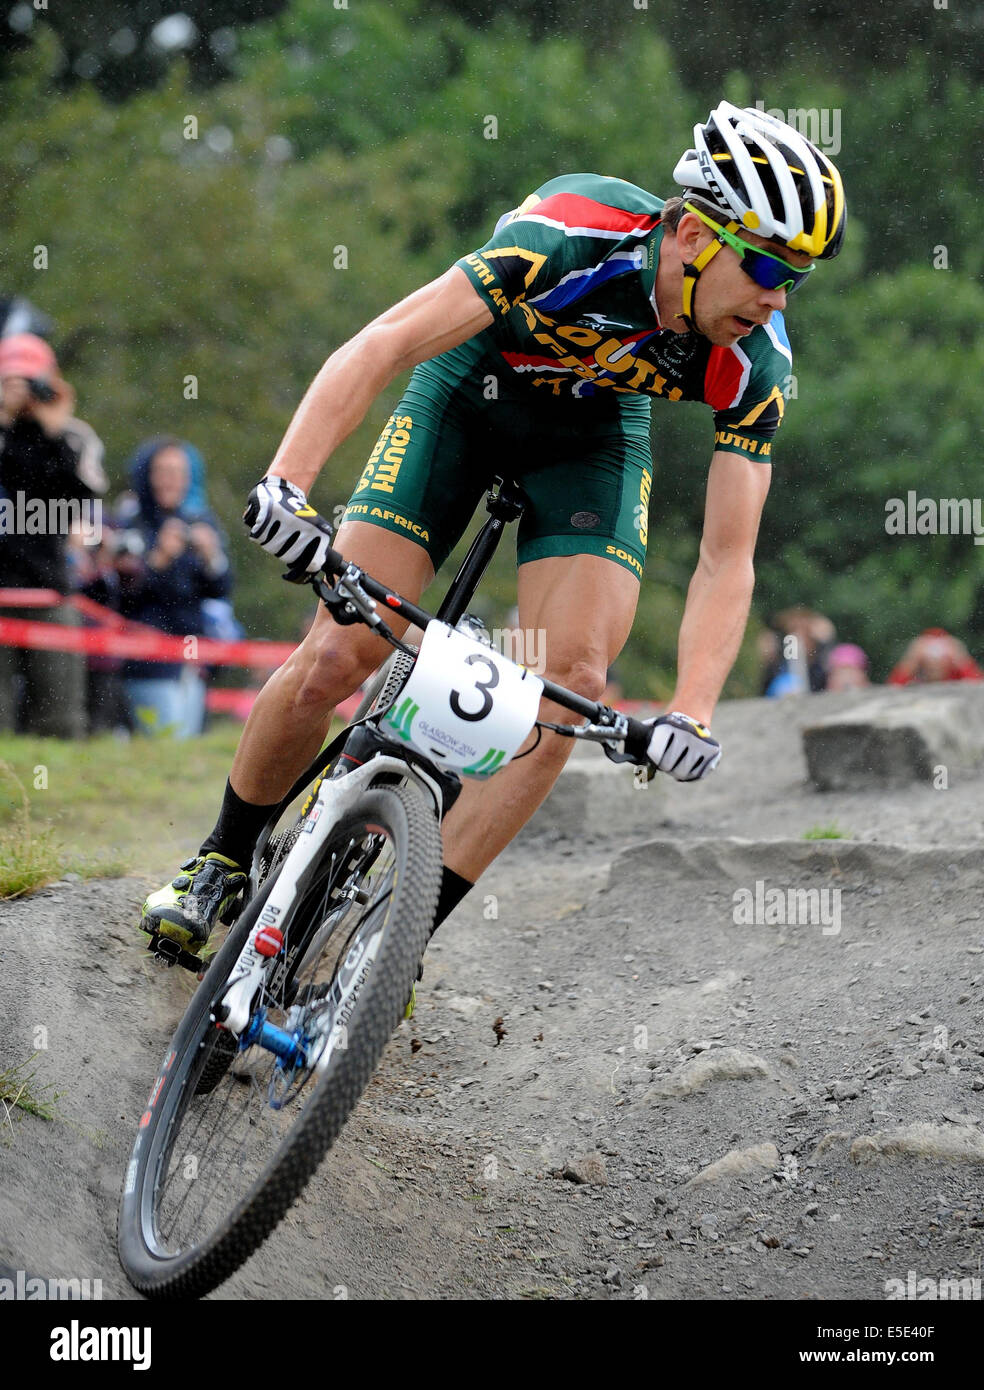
(465, 1005)
(910, 1071)
(846, 1090)
(894, 738)
(719, 1064)
(718, 983)
(587, 1171)
(737, 1163)
(960, 1117)
(956, 1143)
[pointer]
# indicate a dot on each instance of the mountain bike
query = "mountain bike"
(294, 1011)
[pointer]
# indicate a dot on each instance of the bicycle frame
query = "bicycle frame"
(335, 797)
(356, 597)
(505, 502)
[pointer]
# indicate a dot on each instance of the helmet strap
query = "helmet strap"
(691, 274)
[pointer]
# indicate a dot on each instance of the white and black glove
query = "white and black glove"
(282, 521)
(683, 747)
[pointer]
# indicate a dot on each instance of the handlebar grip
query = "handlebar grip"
(637, 740)
(334, 564)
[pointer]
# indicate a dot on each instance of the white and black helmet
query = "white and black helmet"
(768, 178)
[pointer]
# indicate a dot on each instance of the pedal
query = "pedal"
(169, 953)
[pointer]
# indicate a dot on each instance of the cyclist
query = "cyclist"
(541, 353)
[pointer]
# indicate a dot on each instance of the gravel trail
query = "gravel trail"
(688, 1094)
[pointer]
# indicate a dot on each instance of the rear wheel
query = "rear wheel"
(233, 1132)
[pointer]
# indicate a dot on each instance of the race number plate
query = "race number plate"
(466, 706)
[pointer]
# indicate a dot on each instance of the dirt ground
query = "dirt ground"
(695, 1097)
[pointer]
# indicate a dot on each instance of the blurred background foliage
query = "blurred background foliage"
(340, 160)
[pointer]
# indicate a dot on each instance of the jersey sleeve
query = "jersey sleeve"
(747, 423)
(560, 240)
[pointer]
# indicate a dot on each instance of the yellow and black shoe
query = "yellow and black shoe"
(209, 889)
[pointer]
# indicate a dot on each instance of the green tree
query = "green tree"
(884, 408)
(207, 247)
(122, 47)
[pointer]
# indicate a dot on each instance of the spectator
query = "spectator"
(796, 661)
(184, 564)
(46, 456)
(935, 655)
(847, 668)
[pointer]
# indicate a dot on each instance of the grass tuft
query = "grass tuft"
(826, 832)
(19, 1089)
(29, 857)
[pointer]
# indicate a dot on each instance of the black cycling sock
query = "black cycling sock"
(453, 889)
(237, 828)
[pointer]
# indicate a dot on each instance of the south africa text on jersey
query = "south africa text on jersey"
(383, 464)
(355, 510)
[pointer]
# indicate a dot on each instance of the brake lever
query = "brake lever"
(348, 603)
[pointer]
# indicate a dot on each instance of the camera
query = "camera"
(40, 389)
(128, 543)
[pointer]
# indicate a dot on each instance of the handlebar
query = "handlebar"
(355, 597)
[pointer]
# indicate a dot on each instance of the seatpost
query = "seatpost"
(503, 506)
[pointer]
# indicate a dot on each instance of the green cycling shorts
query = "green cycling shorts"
(584, 465)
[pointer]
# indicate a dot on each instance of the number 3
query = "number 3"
(484, 686)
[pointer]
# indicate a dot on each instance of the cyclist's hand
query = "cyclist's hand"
(683, 747)
(281, 520)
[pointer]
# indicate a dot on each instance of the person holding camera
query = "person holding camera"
(46, 456)
(183, 564)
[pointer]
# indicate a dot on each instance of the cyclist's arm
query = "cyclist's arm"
(439, 316)
(720, 592)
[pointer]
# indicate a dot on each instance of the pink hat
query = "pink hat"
(847, 654)
(24, 354)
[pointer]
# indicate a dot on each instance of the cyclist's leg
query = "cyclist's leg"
(582, 548)
(286, 728)
(581, 608)
(289, 721)
(409, 508)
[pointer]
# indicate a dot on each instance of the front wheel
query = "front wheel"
(234, 1130)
